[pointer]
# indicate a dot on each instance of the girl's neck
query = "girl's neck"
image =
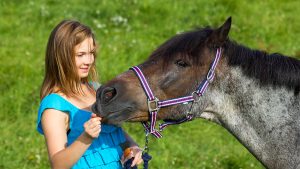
(85, 89)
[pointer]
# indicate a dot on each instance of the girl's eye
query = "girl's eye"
(80, 55)
(181, 63)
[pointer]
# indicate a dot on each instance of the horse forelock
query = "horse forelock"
(187, 45)
(270, 69)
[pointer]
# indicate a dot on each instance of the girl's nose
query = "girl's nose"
(89, 59)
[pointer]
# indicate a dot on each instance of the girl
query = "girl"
(74, 136)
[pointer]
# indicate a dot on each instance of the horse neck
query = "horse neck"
(265, 119)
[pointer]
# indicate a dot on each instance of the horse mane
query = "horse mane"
(186, 44)
(271, 69)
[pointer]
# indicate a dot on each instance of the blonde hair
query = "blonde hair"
(60, 68)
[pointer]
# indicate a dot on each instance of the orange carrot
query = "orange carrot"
(127, 152)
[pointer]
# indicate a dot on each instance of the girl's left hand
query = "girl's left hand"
(135, 153)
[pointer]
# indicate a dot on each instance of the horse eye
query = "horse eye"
(181, 63)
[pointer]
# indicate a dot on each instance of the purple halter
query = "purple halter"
(154, 104)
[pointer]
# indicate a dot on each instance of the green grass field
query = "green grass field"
(128, 31)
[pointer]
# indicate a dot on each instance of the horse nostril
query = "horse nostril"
(108, 94)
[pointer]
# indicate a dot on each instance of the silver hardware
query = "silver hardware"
(152, 103)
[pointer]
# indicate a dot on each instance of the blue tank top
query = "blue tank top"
(105, 151)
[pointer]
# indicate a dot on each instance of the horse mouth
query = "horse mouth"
(137, 119)
(123, 115)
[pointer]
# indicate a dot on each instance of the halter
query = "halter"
(154, 104)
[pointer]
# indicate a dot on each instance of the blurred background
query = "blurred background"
(128, 31)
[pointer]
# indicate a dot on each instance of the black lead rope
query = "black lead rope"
(146, 157)
(127, 164)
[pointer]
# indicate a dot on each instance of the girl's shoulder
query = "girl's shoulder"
(54, 100)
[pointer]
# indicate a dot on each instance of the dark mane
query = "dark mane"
(271, 69)
(186, 44)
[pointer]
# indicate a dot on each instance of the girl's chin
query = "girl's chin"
(83, 75)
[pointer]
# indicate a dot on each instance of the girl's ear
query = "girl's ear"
(220, 35)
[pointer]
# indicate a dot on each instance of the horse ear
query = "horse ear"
(220, 35)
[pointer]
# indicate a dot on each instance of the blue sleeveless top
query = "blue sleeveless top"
(104, 152)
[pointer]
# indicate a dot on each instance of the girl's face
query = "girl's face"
(84, 57)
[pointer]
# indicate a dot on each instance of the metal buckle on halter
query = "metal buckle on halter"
(196, 97)
(153, 102)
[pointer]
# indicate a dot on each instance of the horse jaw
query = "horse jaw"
(139, 117)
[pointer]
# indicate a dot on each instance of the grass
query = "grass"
(127, 31)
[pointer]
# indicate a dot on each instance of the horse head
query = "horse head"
(174, 69)
(254, 95)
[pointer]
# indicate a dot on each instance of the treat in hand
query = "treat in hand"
(127, 152)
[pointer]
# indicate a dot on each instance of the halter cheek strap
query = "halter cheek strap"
(150, 128)
(154, 104)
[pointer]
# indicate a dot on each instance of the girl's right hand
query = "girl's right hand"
(92, 127)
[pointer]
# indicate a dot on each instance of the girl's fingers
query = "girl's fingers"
(140, 161)
(93, 125)
(94, 122)
(94, 132)
(95, 128)
(96, 119)
(137, 159)
(93, 115)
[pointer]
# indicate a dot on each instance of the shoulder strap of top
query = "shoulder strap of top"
(52, 101)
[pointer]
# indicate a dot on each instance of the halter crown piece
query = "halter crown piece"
(154, 104)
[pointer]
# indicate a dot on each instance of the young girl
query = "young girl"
(74, 136)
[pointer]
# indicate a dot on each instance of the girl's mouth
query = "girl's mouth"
(84, 69)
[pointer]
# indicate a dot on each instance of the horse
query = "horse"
(254, 94)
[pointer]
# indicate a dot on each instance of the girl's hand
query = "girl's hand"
(92, 127)
(132, 152)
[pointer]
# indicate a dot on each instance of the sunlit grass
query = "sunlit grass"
(127, 31)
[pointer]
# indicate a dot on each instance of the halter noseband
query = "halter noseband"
(154, 104)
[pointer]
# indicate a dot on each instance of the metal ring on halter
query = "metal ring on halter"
(151, 102)
(196, 97)
(188, 113)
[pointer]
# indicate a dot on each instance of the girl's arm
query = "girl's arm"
(55, 125)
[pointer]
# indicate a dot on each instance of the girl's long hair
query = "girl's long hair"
(60, 68)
